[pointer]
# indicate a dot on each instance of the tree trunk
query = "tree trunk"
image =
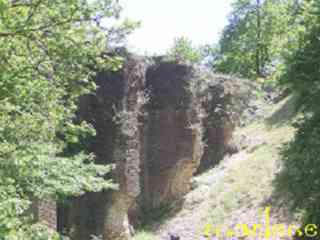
(258, 50)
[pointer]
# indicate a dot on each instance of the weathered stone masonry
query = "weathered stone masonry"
(114, 112)
(159, 123)
(172, 135)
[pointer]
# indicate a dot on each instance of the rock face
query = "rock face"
(113, 111)
(159, 124)
(172, 135)
(223, 99)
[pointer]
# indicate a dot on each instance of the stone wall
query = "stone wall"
(158, 123)
(113, 111)
(223, 100)
(172, 135)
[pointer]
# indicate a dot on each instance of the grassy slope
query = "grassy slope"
(248, 185)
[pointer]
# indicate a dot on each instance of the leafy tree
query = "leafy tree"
(183, 51)
(252, 43)
(300, 176)
(50, 50)
(302, 64)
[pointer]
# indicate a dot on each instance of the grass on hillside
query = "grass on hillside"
(249, 183)
(145, 235)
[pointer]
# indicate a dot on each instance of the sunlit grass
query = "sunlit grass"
(145, 235)
(250, 181)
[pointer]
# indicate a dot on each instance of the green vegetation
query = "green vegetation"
(249, 182)
(50, 49)
(278, 40)
(300, 177)
(302, 65)
(299, 181)
(183, 51)
(143, 235)
(256, 39)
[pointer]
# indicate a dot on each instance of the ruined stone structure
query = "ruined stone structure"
(113, 111)
(172, 135)
(223, 99)
(159, 123)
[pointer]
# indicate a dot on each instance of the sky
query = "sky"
(164, 20)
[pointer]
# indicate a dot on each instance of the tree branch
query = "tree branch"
(41, 28)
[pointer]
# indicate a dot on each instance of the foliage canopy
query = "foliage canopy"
(50, 50)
